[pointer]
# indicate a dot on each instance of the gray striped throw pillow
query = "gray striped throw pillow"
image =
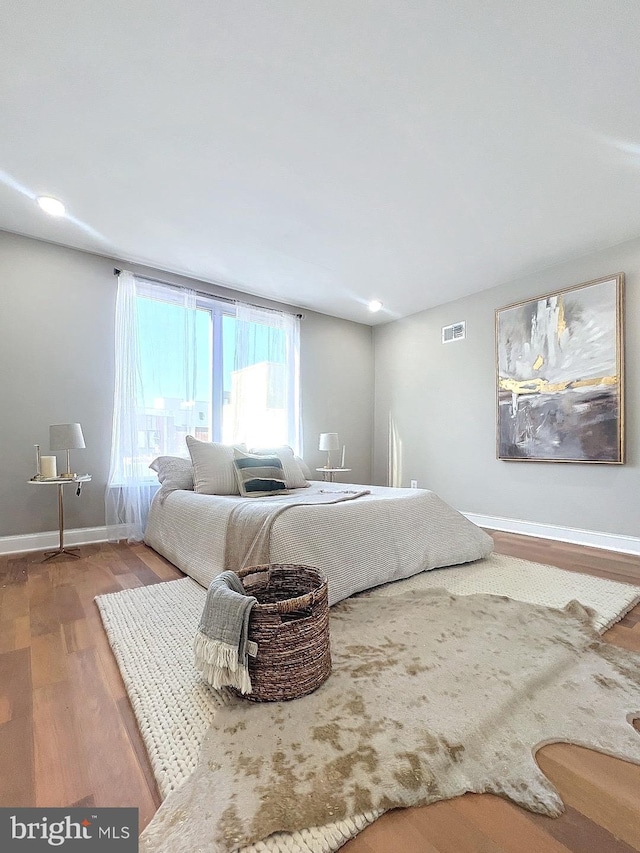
(258, 475)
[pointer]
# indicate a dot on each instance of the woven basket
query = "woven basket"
(290, 624)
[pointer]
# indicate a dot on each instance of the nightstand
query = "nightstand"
(329, 474)
(61, 482)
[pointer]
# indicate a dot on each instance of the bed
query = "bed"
(385, 535)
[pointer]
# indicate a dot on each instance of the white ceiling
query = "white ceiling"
(329, 151)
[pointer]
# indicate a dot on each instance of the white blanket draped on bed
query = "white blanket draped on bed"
(249, 525)
(386, 535)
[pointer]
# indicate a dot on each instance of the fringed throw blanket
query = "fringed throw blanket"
(250, 522)
(222, 645)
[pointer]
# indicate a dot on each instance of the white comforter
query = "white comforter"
(384, 536)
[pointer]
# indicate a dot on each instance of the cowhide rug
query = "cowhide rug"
(431, 695)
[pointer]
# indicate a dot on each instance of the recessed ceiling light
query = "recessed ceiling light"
(51, 205)
(375, 305)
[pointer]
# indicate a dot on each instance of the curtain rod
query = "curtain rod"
(228, 299)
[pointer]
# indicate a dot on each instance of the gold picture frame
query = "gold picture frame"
(560, 375)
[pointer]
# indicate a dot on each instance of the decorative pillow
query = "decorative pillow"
(213, 469)
(174, 472)
(293, 474)
(258, 475)
(306, 471)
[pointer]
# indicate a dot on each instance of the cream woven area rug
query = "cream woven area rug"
(151, 631)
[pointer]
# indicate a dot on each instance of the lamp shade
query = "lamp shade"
(328, 441)
(66, 437)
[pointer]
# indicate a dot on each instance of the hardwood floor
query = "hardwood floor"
(67, 731)
(68, 735)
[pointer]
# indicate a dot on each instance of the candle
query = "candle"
(342, 463)
(48, 466)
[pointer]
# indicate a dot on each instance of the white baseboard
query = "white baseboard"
(51, 539)
(590, 538)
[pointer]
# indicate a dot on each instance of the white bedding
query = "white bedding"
(386, 535)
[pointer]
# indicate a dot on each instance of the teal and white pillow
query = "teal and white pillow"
(294, 474)
(258, 476)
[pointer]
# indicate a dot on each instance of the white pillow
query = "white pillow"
(213, 469)
(293, 473)
(306, 471)
(174, 472)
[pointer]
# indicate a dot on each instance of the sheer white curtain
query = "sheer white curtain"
(155, 377)
(265, 384)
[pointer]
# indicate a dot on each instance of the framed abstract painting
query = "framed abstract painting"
(560, 375)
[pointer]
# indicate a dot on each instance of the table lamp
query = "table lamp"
(66, 437)
(328, 442)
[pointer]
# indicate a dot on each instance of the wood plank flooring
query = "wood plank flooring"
(68, 735)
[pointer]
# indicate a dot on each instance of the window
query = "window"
(174, 397)
(190, 364)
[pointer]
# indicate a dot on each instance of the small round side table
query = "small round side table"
(329, 474)
(61, 482)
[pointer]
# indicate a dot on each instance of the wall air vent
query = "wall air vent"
(454, 332)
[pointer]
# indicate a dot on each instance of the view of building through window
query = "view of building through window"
(195, 381)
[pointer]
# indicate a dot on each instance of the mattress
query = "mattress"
(386, 535)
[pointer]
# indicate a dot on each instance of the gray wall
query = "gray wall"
(440, 401)
(337, 391)
(56, 354)
(56, 360)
